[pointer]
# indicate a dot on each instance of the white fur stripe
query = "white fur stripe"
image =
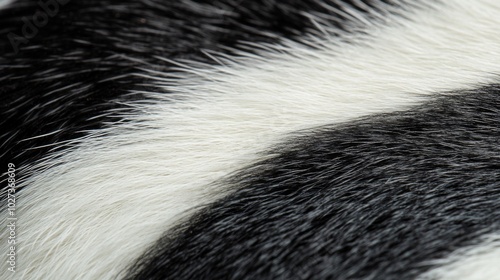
(111, 197)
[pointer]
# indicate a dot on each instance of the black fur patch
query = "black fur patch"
(372, 199)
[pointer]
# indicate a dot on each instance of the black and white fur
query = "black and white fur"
(253, 140)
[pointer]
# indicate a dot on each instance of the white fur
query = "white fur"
(475, 263)
(112, 197)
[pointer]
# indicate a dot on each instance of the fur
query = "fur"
(372, 199)
(312, 139)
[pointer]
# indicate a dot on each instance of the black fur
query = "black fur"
(373, 199)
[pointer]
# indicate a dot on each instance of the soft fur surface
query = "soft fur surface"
(348, 195)
(219, 139)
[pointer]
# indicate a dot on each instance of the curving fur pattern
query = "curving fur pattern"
(252, 140)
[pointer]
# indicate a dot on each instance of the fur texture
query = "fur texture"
(312, 139)
(373, 199)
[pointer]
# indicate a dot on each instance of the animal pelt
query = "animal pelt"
(318, 139)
